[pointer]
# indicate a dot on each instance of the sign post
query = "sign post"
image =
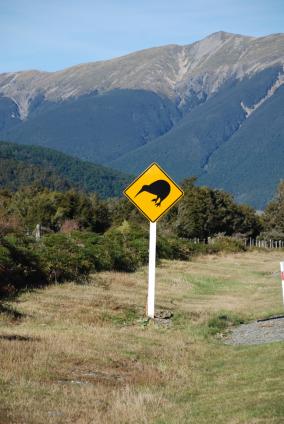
(153, 182)
(152, 270)
(282, 278)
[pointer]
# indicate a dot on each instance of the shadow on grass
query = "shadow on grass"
(11, 312)
(16, 337)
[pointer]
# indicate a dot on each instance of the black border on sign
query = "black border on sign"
(137, 178)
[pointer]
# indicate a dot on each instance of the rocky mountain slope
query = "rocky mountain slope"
(179, 105)
(170, 70)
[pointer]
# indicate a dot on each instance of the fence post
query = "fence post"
(37, 232)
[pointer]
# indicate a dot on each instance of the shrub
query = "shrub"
(128, 246)
(95, 249)
(273, 234)
(20, 267)
(124, 248)
(63, 258)
(226, 244)
(174, 248)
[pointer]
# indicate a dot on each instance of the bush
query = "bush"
(274, 234)
(20, 267)
(183, 249)
(226, 244)
(63, 258)
(128, 246)
(175, 248)
(95, 249)
(124, 248)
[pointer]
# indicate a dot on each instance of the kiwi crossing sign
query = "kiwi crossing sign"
(153, 193)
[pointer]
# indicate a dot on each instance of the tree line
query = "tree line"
(84, 233)
(202, 213)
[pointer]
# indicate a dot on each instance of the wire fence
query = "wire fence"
(266, 244)
(248, 242)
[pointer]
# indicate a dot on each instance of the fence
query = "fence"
(249, 242)
(266, 244)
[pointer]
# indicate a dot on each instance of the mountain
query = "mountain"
(21, 166)
(97, 127)
(210, 109)
(223, 144)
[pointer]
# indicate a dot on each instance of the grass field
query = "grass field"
(86, 354)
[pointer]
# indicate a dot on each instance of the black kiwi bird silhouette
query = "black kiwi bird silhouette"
(160, 188)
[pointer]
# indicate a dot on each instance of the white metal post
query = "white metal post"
(282, 278)
(152, 269)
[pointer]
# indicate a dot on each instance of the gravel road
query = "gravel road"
(261, 332)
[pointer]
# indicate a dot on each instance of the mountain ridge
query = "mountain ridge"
(126, 71)
(178, 105)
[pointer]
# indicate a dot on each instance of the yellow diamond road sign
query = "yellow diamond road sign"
(153, 192)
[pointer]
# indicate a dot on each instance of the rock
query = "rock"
(164, 315)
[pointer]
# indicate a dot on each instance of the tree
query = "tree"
(51, 209)
(273, 217)
(101, 214)
(204, 212)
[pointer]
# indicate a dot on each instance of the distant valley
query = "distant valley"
(213, 109)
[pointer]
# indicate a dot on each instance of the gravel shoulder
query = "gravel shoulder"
(258, 332)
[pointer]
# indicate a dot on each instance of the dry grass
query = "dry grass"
(85, 353)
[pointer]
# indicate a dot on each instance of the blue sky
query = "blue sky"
(54, 34)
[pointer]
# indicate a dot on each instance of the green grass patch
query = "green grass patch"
(211, 285)
(222, 321)
(126, 316)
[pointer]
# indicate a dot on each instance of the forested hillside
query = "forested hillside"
(22, 166)
(97, 127)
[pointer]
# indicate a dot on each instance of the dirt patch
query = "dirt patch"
(258, 332)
